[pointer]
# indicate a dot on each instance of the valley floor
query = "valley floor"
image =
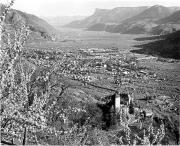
(99, 56)
(75, 39)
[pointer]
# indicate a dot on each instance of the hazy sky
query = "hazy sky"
(80, 7)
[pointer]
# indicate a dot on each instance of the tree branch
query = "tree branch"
(5, 142)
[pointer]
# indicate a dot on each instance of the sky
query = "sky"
(55, 8)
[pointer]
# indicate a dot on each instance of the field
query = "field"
(69, 85)
(75, 39)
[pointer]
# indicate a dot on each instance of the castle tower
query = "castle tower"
(117, 103)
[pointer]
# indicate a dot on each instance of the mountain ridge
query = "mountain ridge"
(115, 15)
(154, 12)
(143, 21)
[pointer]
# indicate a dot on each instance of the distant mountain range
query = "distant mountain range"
(113, 16)
(59, 21)
(37, 25)
(132, 20)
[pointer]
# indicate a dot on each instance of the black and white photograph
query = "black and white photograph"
(90, 72)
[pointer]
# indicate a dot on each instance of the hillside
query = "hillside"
(139, 27)
(152, 13)
(36, 24)
(115, 15)
(167, 46)
(97, 27)
(131, 20)
(173, 18)
(163, 29)
(145, 21)
(167, 24)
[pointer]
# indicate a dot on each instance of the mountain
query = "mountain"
(139, 27)
(131, 20)
(163, 29)
(153, 13)
(167, 24)
(167, 46)
(60, 21)
(112, 16)
(145, 21)
(172, 19)
(36, 24)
